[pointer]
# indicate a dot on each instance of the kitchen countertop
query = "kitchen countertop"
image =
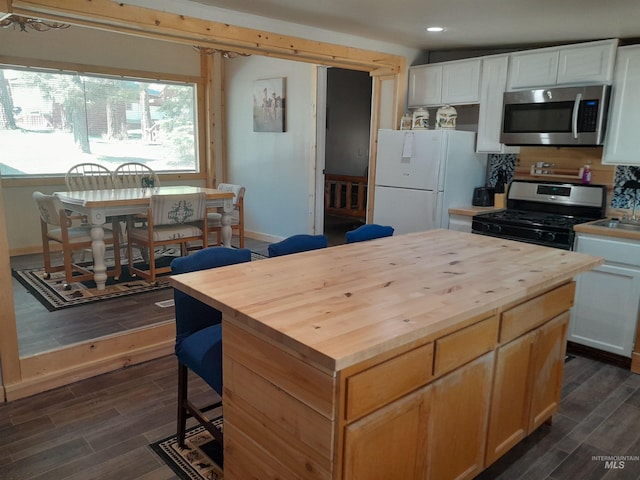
(606, 231)
(345, 304)
(470, 211)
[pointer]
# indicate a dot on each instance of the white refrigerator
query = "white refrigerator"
(420, 174)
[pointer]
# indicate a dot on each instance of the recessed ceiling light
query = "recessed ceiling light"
(435, 29)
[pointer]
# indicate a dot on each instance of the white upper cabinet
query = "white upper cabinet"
(622, 141)
(533, 69)
(425, 85)
(492, 86)
(461, 81)
(452, 83)
(585, 63)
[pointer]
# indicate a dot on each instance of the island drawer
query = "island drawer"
(533, 313)
(401, 374)
(464, 345)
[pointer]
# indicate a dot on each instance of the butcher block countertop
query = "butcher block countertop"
(341, 305)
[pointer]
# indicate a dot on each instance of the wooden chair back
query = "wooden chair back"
(89, 176)
(135, 175)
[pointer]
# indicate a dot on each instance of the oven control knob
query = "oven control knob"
(486, 227)
(537, 235)
(550, 236)
(496, 228)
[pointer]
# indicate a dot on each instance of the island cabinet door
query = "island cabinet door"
(527, 383)
(511, 397)
(458, 421)
(548, 365)
(391, 442)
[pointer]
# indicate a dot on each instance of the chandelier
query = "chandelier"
(224, 53)
(33, 23)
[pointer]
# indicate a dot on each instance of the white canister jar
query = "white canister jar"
(420, 119)
(405, 123)
(446, 118)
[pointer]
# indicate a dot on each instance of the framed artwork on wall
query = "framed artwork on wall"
(269, 105)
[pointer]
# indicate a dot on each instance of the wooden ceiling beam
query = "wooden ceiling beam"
(114, 16)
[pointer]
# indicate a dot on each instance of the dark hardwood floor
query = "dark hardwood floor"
(100, 428)
(40, 330)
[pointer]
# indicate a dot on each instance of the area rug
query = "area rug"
(51, 293)
(200, 460)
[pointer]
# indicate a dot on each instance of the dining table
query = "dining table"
(99, 205)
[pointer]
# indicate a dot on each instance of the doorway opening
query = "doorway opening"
(346, 147)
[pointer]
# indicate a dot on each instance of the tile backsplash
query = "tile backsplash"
(500, 165)
(504, 165)
(623, 197)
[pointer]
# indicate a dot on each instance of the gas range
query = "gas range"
(543, 213)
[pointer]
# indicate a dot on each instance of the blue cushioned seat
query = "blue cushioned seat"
(201, 351)
(368, 232)
(199, 334)
(296, 244)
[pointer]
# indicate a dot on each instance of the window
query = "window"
(51, 120)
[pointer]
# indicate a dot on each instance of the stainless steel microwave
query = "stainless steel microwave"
(557, 116)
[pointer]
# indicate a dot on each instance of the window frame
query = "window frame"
(81, 69)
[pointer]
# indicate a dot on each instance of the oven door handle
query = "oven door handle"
(574, 116)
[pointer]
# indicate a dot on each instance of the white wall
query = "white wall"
(277, 169)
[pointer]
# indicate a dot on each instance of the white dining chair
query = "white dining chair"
(56, 226)
(89, 176)
(134, 175)
(214, 219)
(170, 220)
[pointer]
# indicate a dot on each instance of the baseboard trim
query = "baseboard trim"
(68, 365)
(263, 237)
(600, 355)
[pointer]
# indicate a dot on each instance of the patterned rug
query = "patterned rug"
(51, 293)
(200, 460)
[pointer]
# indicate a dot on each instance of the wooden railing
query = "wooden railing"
(345, 195)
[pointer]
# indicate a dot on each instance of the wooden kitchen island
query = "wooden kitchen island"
(417, 356)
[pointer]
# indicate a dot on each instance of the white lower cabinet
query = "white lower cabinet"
(461, 223)
(607, 302)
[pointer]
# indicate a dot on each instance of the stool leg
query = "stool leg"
(183, 382)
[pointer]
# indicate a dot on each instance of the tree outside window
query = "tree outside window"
(50, 121)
